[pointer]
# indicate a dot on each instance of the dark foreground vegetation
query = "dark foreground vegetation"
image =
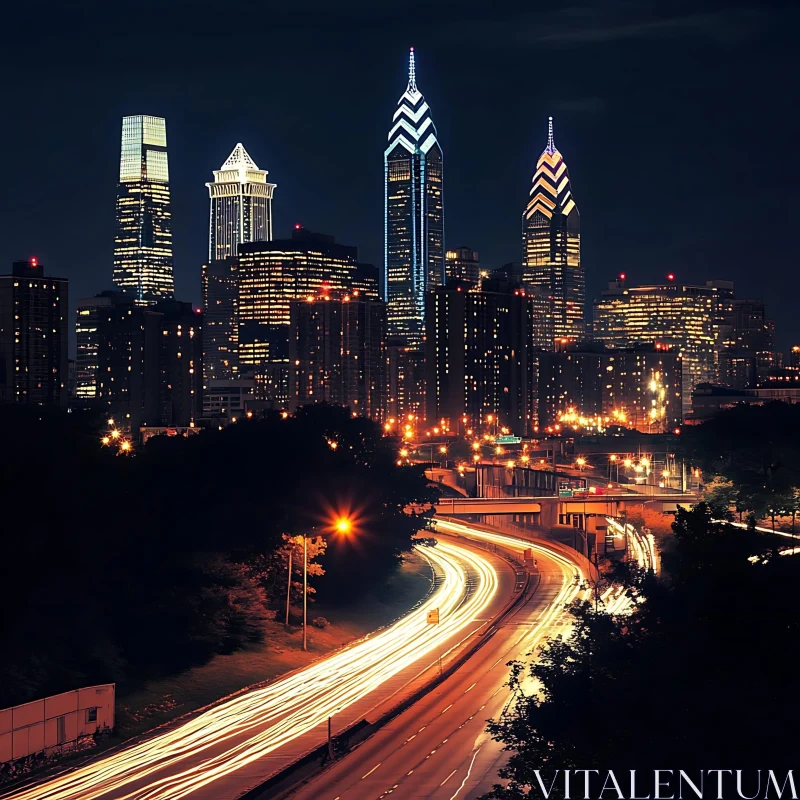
(121, 568)
(701, 676)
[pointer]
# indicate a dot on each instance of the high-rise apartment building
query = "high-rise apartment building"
(481, 352)
(87, 332)
(33, 336)
(746, 344)
(405, 381)
(241, 205)
(143, 242)
(463, 263)
(551, 243)
(337, 353)
(272, 274)
(638, 387)
(150, 364)
(220, 287)
(413, 213)
(680, 316)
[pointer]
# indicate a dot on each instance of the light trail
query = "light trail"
(641, 546)
(249, 727)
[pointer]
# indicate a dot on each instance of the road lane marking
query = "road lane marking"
(466, 777)
(445, 709)
(471, 687)
(371, 771)
(447, 778)
(410, 738)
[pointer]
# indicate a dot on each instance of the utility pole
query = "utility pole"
(305, 592)
(289, 587)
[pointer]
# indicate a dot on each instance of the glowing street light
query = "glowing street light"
(404, 453)
(115, 434)
(476, 445)
(106, 440)
(125, 446)
(443, 449)
(476, 458)
(343, 525)
(628, 462)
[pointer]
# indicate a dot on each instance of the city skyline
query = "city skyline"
(604, 109)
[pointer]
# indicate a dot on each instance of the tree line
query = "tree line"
(123, 568)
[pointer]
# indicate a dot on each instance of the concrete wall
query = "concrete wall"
(55, 722)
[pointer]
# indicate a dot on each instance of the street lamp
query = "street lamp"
(581, 462)
(342, 525)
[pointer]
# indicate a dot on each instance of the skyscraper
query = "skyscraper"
(463, 263)
(551, 242)
(679, 316)
(220, 285)
(271, 274)
(33, 336)
(241, 205)
(413, 213)
(481, 352)
(143, 242)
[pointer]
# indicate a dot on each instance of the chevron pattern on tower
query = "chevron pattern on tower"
(412, 123)
(551, 187)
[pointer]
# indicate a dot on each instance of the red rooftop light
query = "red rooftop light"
(34, 261)
(297, 226)
(622, 276)
(671, 276)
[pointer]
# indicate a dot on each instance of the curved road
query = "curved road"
(235, 745)
(438, 748)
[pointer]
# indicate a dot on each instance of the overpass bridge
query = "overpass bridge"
(552, 510)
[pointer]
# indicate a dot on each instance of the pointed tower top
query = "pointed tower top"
(412, 75)
(239, 158)
(551, 146)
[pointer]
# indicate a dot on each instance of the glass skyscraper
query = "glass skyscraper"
(241, 205)
(551, 243)
(143, 242)
(413, 213)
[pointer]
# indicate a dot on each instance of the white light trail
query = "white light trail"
(236, 733)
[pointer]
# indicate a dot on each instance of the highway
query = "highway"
(438, 748)
(236, 744)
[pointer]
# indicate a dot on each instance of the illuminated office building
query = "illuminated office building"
(638, 387)
(551, 243)
(272, 274)
(679, 316)
(220, 285)
(33, 336)
(143, 242)
(481, 352)
(413, 213)
(241, 205)
(337, 353)
(87, 334)
(462, 263)
(405, 380)
(746, 344)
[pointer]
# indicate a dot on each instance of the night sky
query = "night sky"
(678, 122)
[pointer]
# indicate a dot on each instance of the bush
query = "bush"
(320, 622)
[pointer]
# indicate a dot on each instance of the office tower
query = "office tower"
(481, 352)
(405, 381)
(337, 353)
(228, 400)
(272, 274)
(150, 364)
(88, 344)
(220, 281)
(638, 387)
(33, 336)
(241, 205)
(463, 263)
(551, 243)
(143, 243)
(745, 345)
(413, 213)
(673, 314)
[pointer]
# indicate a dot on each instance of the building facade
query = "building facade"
(33, 336)
(463, 263)
(413, 213)
(638, 387)
(338, 353)
(680, 316)
(241, 205)
(405, 381)
(551, 243)
(150, 364)
(87, 335)
(220, 287)
(272, 274)
(143, 242)
(481, 353)
(746, 344)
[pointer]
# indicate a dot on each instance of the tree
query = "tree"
(686, 679)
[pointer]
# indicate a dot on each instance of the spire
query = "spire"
(412, 76)
(551, 147)
(239, 159)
